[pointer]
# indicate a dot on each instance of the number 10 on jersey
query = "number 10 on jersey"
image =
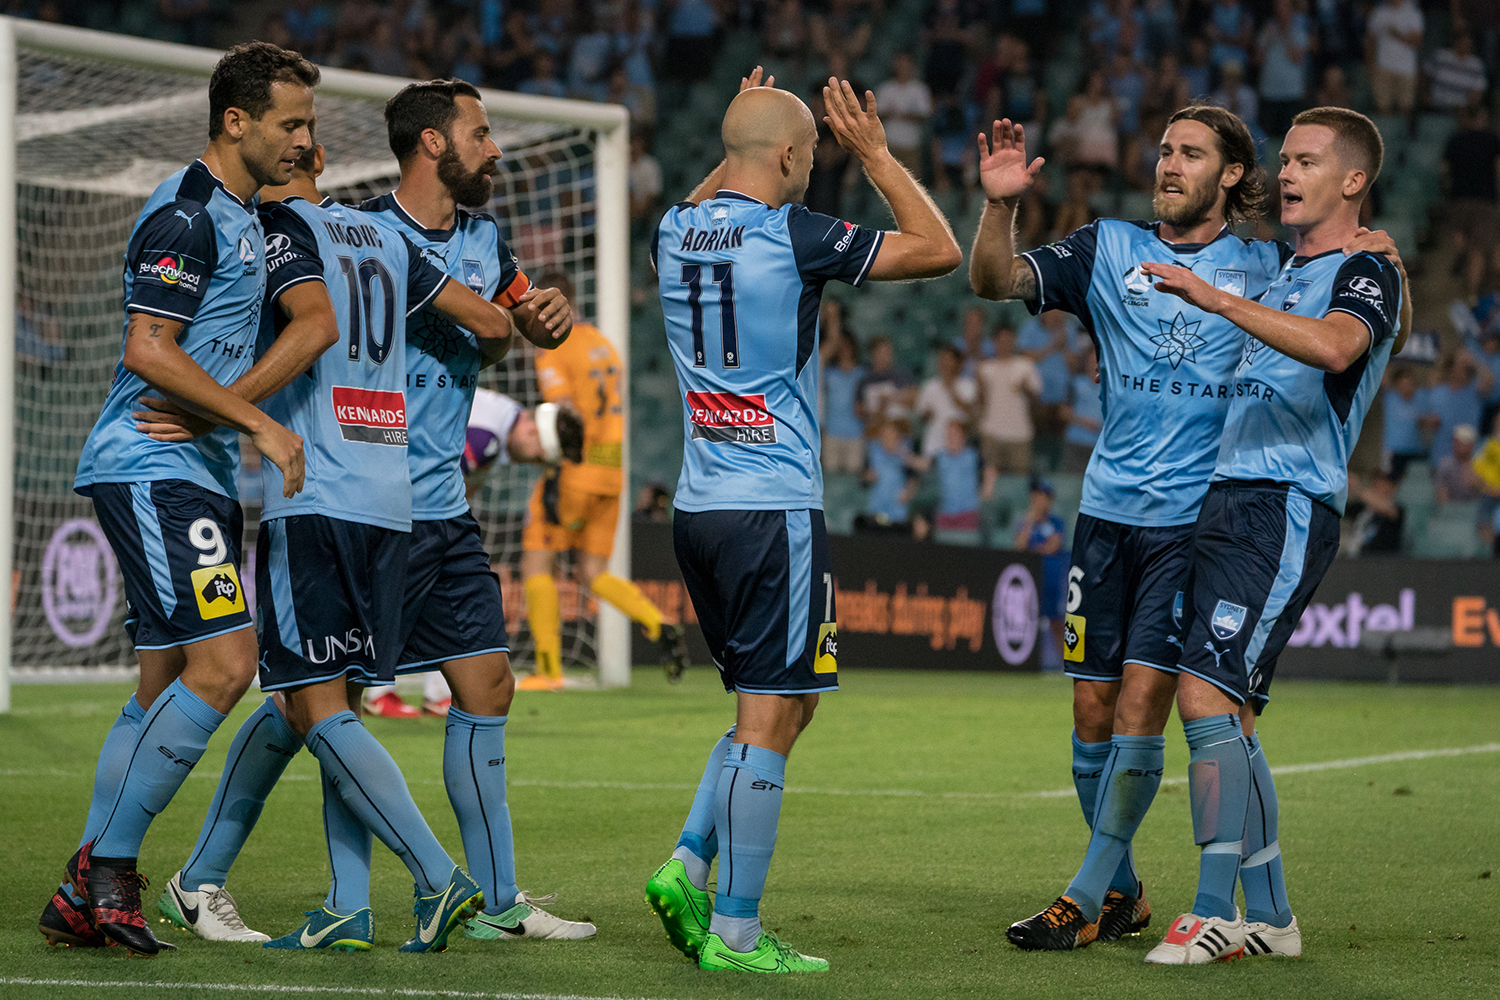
(729, 338)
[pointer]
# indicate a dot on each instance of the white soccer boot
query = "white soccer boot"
(209, 912)
(527, 920)
(1194, 940)
(1263, 939)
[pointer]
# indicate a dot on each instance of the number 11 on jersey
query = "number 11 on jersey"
(729, 338)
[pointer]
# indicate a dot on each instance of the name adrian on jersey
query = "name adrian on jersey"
(370, 415)
(726, 417)
(710, 240)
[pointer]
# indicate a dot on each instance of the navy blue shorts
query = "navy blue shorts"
(326, 592)
(1260, 551)
(761, 582)
(453, 607)
(178, 547)
(1125, 598)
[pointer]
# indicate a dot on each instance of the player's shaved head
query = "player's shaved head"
(763, 120)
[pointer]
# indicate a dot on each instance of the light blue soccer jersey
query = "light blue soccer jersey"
(350, 406)
(194, 257)
(1290, 422)
(442, 358)
(1165, 366)
(740, 286)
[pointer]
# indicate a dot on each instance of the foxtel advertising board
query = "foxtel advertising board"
(1456, 599)
(901, 604)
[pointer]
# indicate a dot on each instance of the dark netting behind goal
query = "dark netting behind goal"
(94, 138)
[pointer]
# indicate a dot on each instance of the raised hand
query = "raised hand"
(857, 130)
(1183, 283)
(753, 80)
(1003, 170)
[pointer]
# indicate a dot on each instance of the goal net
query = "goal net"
(99, 121)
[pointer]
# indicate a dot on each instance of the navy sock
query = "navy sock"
(698, 844)
(1126, 789)
(1219, 783)
(374, 790)
(1260, 868)
(474, 771)
(169, 742)
(349, 845)
(263, 747)
(747, 810)
(1088, 764)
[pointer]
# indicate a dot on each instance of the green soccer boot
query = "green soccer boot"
(332, 931)
(771, 955)
(683, 908)
(439, 915)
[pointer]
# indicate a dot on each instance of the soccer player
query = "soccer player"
(1316, 350)
(501, 431)
(330, 570)
(741, 269)
(439, 132)
(195, 274)
(577, 506)
(1166, 369)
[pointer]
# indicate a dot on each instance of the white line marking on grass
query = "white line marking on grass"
(370, 991)
(1326, 765)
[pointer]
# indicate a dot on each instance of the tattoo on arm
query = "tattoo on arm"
(1022, 281)
(156, 329)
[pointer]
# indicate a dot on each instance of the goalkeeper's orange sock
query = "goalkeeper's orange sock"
(546, 623)
(628, 598)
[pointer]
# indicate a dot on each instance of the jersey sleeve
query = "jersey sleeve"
(1368, 288)
(423, 279)
(1063, 272)
(513, 281)
(291, 250)
(831, 249)
(171, 260)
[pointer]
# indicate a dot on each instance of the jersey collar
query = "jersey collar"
(327, 201)
(434, 235)
(248, 206)
(1304, 261)
(1186, 248)
(737, 196)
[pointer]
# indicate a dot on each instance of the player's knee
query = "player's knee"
(1145, 702)
(809, 706)
(1094, 710)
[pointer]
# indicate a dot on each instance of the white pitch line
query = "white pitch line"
(1326, 765)
(369, 991)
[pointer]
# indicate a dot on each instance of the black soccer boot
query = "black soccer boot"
(112, 888)
(1123, 915)
(1060, 927)
(673, 642)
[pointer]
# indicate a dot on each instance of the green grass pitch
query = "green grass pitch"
(911, 837)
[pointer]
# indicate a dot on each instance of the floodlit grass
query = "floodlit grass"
(910, 838)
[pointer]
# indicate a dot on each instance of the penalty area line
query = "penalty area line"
(363, 991)
(1324, 765)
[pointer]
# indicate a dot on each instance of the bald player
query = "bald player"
(741, 268)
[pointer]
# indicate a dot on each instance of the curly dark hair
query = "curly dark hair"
(1247, 199)
(243, 79)
(421, 106)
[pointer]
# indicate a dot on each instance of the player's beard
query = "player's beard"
(470, 188)
(1189, 210)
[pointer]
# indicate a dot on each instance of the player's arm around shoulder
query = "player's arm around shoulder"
(922, 245)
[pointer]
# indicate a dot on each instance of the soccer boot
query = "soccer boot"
(330, 931)
(527, 920)
(113, 892)
(771, 955)
(539, 682)
(1060, 927)
(437, 709)
(63, 923)
(683, 908)
(1123, 915)
(390, 706)
(439, 914)
(209, 912)
(1264, 939)
(673, 641)
(1195, 940)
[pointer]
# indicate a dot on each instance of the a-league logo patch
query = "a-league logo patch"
(218, 591)
(1073, 629)
(1229, 281)
(1228, 620)
(827, 660)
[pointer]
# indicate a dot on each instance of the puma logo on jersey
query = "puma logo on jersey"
(187, 218)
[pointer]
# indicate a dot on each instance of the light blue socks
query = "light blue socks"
(698, 844)
(474, 772)
(1260, 867)
(1128, 784)
(746, 810)
(1219, 783)
(349, 846)
(1088, 765)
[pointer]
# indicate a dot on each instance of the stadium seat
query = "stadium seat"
(1450, 533)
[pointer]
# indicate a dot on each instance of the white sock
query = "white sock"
(697, 868)
(435, 686)
(373, 694)
(738, 933)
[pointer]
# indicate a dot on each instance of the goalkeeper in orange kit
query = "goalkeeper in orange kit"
(577, 506)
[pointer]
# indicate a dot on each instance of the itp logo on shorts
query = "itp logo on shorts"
(1074, 627)
(1228, 620)
(217, 589)
(827, 660)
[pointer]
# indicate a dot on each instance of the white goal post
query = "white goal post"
(570, 174)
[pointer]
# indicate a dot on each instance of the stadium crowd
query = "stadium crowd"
(942, 427)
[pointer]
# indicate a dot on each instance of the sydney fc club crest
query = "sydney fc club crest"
(1233, 282)
(1295, 295)
(474, 276)
(1228, 620)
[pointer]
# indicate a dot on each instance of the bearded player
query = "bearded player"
(576, 506)
(1166, 370)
